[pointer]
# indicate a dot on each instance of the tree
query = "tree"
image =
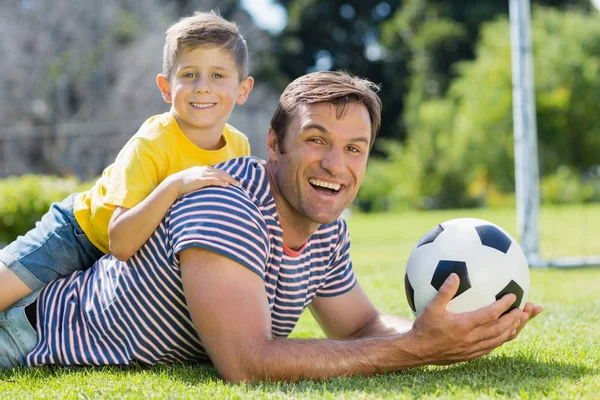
(461, 145)
(340, 34)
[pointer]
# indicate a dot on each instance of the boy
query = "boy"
(205, 73)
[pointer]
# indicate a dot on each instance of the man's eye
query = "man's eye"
(353, 149)
(315, 140)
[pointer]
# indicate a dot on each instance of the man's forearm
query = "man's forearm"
(295, 359)
(384, 325)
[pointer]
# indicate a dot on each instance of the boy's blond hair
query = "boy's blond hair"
(205, 29)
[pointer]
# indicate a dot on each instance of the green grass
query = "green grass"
(556, 357)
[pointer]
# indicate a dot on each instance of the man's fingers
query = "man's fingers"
(446, 292)
(495, 310)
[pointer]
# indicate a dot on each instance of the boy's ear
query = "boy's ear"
(165, 89)
(245, 88)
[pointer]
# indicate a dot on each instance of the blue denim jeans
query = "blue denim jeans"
(17, 336)
(55, 247)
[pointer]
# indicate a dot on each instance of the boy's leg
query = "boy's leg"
(17, 335)
(13, 288)
(54, 248)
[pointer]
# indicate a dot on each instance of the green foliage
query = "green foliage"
(383, 189)
(342, 34)
(126, 26)
(25, 199)
(566, 186)
(466, 135)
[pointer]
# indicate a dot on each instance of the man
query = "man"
(229, 270)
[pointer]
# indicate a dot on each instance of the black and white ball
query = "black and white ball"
(488, 261)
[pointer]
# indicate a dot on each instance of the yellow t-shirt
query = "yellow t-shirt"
(157, 150)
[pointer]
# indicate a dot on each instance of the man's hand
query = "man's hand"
(441, 337)
(195, 178)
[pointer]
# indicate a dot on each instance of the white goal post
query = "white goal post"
(527, 177)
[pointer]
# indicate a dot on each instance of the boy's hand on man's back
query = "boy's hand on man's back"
(195, 178)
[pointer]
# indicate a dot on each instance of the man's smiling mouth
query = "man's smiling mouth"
(333, 187)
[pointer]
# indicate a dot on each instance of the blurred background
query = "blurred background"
(78, 79)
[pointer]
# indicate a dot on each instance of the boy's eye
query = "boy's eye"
(189, 75)
(217, 76)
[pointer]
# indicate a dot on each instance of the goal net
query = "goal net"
(529, 215)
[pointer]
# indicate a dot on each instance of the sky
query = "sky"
(267, 14)
(596, 3)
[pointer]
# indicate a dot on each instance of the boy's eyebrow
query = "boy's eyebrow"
(212, 66)
(323, 130)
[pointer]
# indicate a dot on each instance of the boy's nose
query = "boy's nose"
(202, 86)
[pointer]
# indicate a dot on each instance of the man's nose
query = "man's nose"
(333, 161)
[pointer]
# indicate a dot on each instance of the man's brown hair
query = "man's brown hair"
(205, 29)
(335, 87)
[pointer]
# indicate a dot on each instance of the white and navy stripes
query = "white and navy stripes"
(117, 312)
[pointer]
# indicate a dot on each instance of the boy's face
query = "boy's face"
(203, 88)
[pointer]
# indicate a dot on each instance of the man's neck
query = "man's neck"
(297, 229)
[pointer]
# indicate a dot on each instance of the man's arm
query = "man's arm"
(230, 311)
(352, 315)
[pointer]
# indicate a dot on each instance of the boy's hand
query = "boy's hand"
(195, 178)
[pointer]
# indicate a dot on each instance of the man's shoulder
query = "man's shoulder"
(253, 189)
(247, 170)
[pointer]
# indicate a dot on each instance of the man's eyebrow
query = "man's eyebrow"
(326, 132)
(314, 126)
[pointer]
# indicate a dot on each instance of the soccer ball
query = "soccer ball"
(488, 261)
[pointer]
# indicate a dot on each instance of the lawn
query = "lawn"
(556, 357)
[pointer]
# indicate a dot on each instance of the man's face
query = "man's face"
(319, 167)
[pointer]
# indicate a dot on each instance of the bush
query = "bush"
(566, 186)
(23, 201)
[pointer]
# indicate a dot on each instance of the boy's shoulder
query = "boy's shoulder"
(156, 126)
(232, 132)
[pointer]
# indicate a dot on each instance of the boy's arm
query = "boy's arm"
(129, 229)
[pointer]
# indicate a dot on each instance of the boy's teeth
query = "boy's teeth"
(203, 105)
(332, 186)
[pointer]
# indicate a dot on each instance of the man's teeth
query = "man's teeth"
(332, 186)
(203, 105)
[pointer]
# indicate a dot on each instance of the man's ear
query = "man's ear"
(165, 89)
(245, 88)
(272, 145)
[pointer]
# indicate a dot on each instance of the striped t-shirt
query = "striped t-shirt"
(117, 312)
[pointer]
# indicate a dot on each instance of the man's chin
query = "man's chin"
(324, 219)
